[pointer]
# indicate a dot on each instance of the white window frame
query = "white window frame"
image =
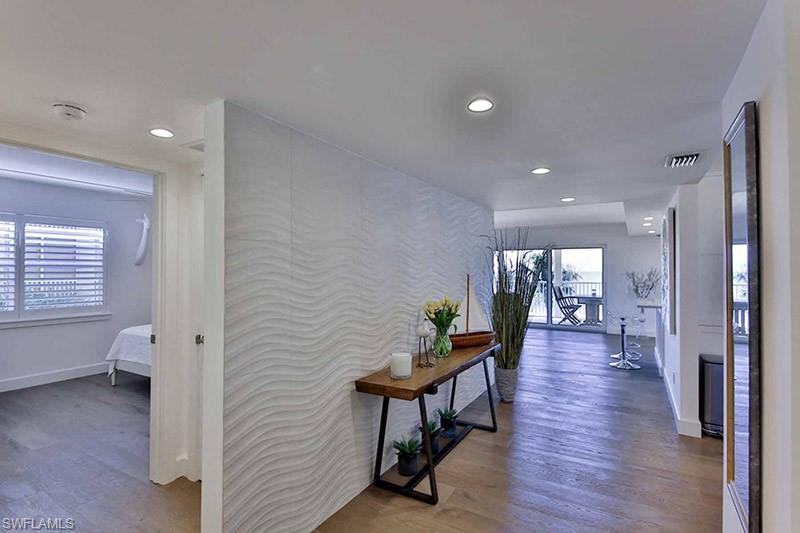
(24, 317)
(11, 315)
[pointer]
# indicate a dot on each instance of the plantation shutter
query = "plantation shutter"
(8, 278)
(63, 266)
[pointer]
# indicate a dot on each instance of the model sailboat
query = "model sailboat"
(472, 328)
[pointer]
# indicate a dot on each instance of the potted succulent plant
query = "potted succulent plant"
(447, 419)
(407, 450)
(433, 431)
(518, 272)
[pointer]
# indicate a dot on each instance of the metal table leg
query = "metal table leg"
(484, 427)
(426, 448)
(376, 476)
(408, 488)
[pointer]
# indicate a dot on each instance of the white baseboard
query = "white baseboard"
(660, 366)
(690, 428)
(32, 380)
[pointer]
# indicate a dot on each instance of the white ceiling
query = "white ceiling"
(32, 165)
(599, 91)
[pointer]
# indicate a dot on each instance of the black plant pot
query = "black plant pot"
(448, 427)
(407, 464)
(434, 444)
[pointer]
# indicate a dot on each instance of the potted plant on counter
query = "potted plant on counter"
(433, 431)
(518, 271)
(447, 420)
(407, 450)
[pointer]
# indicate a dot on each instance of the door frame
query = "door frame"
(157, 471)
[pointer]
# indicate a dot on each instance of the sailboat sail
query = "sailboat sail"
(473, 328)
(471, 310)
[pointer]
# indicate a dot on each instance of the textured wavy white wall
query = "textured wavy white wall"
(328, 259)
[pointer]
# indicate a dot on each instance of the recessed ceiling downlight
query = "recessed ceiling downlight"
(480, 104)
(647, 219)
(647, 224)
(162, 133)
(651, 231)
(540, 170)
(568, 199)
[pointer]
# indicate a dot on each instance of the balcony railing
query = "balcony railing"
(741, 313)
(538, 312)
(582, 288)
(741, 319)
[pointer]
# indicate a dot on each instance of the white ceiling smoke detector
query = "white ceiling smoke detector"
(68, 111)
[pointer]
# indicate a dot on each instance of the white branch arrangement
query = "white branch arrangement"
(643, 283)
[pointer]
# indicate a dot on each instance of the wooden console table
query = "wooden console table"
(426, 381)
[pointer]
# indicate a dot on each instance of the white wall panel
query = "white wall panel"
(329, 258)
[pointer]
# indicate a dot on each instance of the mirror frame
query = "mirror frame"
(745, 124)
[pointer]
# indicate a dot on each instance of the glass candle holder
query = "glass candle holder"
(400, 365)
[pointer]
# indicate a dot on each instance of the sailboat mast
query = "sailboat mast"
(468, 299)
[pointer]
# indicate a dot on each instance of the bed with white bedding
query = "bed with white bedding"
(130, 352)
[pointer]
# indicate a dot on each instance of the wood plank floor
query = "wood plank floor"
(584, 447)
(79, 449)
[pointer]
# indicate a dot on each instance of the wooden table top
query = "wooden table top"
(424, 379)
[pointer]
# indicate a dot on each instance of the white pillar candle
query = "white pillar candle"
(400, 365)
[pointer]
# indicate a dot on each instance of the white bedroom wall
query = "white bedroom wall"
(46, 353)
(622, 253)
(175, 445)
(328, 259)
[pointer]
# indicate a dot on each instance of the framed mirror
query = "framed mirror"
(743, 340)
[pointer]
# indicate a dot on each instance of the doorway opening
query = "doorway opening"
(571, 293)
(78, 300)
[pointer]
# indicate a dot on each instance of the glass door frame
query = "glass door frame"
(549, 292)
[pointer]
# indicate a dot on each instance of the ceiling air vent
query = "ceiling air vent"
(681, 161)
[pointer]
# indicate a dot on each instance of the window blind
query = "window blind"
(7, 266)
(63, 266)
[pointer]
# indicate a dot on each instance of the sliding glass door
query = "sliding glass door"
(577, 298)
(572, 290)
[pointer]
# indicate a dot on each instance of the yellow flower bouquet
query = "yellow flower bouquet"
(441, 314)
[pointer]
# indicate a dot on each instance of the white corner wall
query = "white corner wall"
(769, 73)
(699, 299)
(711, 264)
(681, 350)
(328, 259)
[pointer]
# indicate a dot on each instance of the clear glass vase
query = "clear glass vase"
(442, 346)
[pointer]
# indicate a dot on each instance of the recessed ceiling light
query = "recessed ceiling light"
(651, 231)
(540, 170)
(647, 219)
(162, 133)
(480, 104)
(647, 224)
(568, 199)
